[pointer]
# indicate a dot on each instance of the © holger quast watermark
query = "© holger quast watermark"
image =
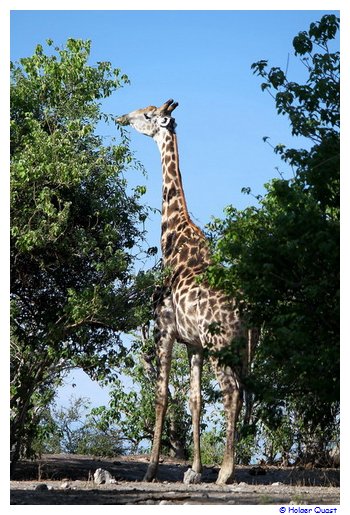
(314, 509)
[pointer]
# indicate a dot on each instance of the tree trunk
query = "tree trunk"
(17, 431)
(177, 447)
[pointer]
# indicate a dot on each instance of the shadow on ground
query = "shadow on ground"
(133, 468)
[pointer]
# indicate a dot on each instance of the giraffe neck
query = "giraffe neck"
(174, 207)
(179, 233)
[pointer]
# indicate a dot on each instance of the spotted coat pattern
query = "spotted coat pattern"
(185, 309)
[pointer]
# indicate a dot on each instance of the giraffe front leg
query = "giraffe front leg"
(164, 335)
(164, 351)
(196, 365)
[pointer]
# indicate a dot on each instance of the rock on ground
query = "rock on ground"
(192, 478)
(102, 476)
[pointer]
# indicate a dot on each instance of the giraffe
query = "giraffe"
(186, 309)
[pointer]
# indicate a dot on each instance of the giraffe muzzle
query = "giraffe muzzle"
(123, 120)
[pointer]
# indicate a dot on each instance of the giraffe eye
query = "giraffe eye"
(147, 116)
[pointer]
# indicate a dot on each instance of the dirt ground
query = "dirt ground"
(68, 479)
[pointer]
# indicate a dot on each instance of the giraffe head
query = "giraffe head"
(151, 120)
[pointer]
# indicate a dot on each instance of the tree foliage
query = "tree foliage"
(75, 430)
(281, 258)
(74, 228)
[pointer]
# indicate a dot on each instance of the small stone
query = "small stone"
(41, 488)
(192, 477)
(277, 483)
(165, 502)
(102, 476)
(65, 485)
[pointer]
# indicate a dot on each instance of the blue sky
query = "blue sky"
(202, 59)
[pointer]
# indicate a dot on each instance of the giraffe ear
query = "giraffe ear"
(164, 121)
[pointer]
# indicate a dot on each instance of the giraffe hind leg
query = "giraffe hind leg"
(231, 393)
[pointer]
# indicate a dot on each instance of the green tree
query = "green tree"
(281, 258)
(75, 430)
(74, 227)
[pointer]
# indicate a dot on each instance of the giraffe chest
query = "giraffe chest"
(197, 309)
(186, 308)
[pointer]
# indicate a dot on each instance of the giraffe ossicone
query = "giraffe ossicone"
(185, 309)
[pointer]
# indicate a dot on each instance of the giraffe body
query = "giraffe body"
(185, 309)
